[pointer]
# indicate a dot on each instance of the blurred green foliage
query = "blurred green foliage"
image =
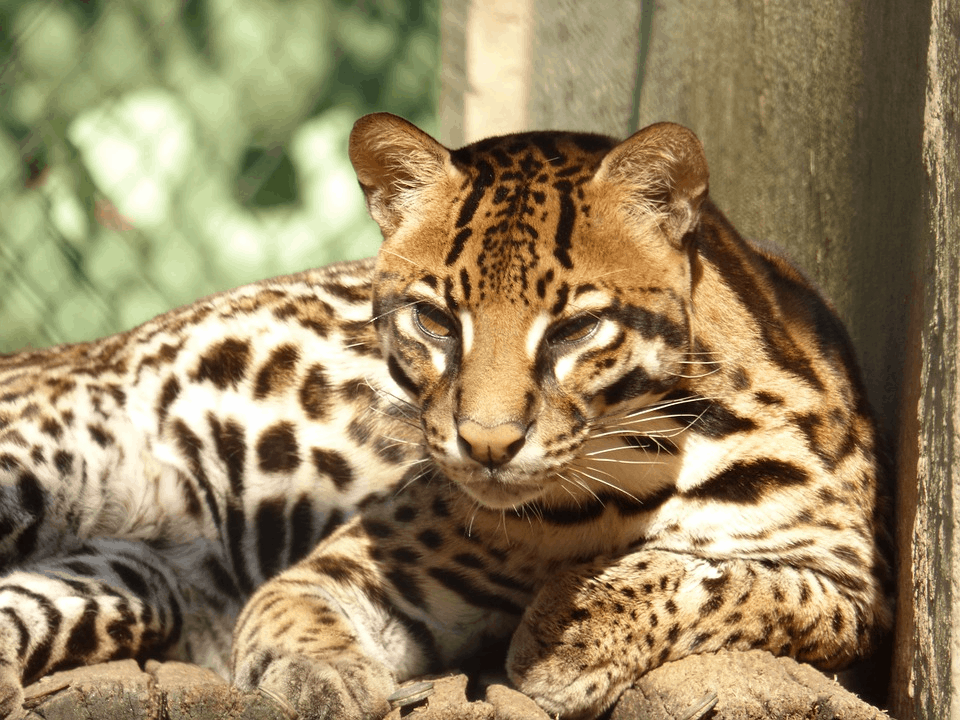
(154, 151)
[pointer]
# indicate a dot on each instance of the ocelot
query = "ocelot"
(567, 410)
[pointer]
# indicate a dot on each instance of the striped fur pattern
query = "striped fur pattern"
(567, 411)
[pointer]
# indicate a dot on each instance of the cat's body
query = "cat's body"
(568, 409)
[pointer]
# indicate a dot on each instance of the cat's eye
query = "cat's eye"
(574, 330)
(433, 321)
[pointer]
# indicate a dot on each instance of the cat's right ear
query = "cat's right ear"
(395, 161)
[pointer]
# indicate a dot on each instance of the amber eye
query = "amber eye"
(433, 321)
(575, 330)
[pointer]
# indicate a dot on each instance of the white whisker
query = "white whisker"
(412, 480)
(392, 310)
(398, 255)
(620, 461)
(567, 490)
(605, 483)
(618, 449)
(580, 484)
(503, 525)
(698, 375)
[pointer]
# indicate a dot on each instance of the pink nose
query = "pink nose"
(491, 446)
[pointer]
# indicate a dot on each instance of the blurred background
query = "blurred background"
(155, 151)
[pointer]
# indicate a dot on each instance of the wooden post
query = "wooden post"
(926, 681)
(512, 65)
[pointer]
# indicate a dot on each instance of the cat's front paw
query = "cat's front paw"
(554, 669)
(11, 694)
(348, 687)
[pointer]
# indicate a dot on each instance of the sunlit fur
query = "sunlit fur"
(567, 410)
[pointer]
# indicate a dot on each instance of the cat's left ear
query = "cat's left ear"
(395, 161)
(663, 171)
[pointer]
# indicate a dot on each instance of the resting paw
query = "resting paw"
(348, 687)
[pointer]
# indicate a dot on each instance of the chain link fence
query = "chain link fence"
(154, 151)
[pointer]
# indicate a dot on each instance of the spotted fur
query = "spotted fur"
(567, 411)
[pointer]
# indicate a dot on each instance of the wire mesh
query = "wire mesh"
(154, 151)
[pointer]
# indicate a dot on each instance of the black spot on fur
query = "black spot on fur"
(100, 435)
(222, 579)
(570, 515)
(63, 461)
(472, 593)
(131, 578)
(564, 234)
(232, 450)
(169, 393)
(405, 513)
(225, 364)
(459, 241)
(84, 638)
(301, 529)
(79, 567)
(563, 292)
(430, 539)
(32, 502)
(334, 520)
(710, 417)
(52, 428)
(347, 293)
(631, 385)
(40, 657)
(315, 393)
(277, 372)
(652, 325)
(333, 465)
(739, 379)
(277, 448)
(748, 481)
(407, 585)
(653, 445)
(376, 528)
(440, 507)
(400, 377)
(580, 614)
(767, 398)
(338, 567)
(271, 535)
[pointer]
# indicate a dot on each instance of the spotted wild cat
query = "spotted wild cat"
(567, 408)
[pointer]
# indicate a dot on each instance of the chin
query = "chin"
(496, 490)
(497, 496)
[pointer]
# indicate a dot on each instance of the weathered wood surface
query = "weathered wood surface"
(722, 686)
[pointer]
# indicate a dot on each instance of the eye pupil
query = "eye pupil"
(432, 321)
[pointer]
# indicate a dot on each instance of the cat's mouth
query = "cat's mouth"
(499, 493)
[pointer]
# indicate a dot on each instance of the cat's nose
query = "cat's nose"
(491, 446)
